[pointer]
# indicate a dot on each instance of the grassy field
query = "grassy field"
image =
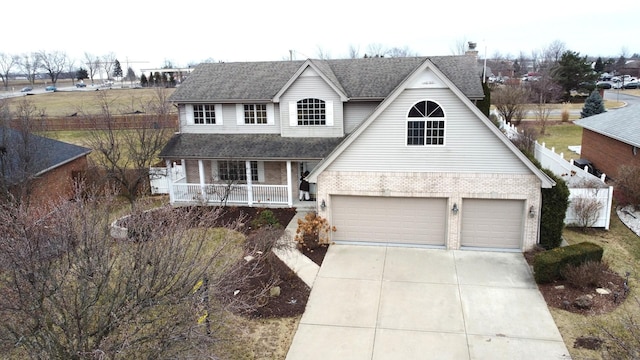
(65, 103)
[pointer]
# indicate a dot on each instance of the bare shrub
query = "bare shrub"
(564, 114)
(587, 210)
(71, 291)
(313, 231)
(622, 335)
(526, 139)
(586, 275)
(510, 101)
(627, 181)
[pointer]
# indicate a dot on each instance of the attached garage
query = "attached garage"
(489, 223)
(399, 220)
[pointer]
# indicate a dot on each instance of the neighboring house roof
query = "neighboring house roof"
(367, 78)
(43, 154)
(621, 124)
(249, 146)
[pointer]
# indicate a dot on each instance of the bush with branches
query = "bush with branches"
(587, 210)
(627, 181)
(313, 231)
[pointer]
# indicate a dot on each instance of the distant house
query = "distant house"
(38, 168)
(612, 139)
(397, 150)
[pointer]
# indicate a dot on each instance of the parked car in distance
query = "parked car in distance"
(26, 89)
(604, 85)
(50, 88)
(632, 85)
(81, 85)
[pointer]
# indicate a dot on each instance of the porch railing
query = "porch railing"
(216, 194)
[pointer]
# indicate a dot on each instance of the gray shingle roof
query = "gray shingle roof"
(359, 78)
(247, 146)
(621, 124)
(44, 153)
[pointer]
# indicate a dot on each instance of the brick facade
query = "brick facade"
(57, 184)
(607, 154)
(453, 186)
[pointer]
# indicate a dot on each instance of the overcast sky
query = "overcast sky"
(149, 33)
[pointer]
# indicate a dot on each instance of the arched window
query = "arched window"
(426, 124)
(312, 112)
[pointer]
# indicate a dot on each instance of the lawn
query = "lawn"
(622, 253)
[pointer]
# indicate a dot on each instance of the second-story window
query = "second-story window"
(426, 124)
(312, 112)
(204, 114)
(255, 113)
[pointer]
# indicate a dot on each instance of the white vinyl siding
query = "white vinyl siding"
(233, 121)
(356, 113)
(471, 146)
(311, 87)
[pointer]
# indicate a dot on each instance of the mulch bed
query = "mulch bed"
(561, 294)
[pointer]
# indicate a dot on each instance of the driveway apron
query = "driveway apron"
(376, 302)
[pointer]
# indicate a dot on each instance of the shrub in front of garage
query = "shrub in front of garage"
(549, 265)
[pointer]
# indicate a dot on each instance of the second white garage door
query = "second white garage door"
(488, 223)
(397, 220)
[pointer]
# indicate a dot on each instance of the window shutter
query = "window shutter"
(218, 112)
(293, 113)
(240, 114)
(188, 111)
(271, 116)
(328, 107)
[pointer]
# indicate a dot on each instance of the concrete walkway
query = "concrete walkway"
(408, 303)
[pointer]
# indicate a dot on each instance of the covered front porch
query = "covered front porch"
(267, 184)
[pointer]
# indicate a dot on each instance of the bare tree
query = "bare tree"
(510, 101)
(71, 292)
(354, 52)
(535, 60)
(30, 64)
(552, 53)
(376, 50)
(542, 92)
(7, 62)
(54, 63)
(107, 63)
(126, 155)
(21, 152)
(627, 181)
(323, 54)
(93, 64)
(460, 46)
(71, 70)
(400, 52)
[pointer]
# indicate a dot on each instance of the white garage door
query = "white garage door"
(492, 223)
(389, 219)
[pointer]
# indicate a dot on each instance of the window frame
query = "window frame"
(311, 107)
(426, 125)
(206, 114)
(223, 170)
(255, 118)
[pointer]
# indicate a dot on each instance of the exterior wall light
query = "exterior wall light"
(532, 212)
(323, 205)
(455, 209)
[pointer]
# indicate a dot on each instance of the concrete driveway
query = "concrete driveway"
(370, 302)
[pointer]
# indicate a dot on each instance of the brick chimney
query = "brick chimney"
(472, 49)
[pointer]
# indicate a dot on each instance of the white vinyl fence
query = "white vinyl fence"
(582, 185)
(160, 177)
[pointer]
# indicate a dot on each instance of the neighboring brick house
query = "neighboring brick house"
(397, 150)
(612, 139)
(39, 169)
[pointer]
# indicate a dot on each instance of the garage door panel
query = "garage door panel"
(389, 219)
(492, 223)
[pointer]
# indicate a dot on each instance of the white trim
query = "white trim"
(218, 112)
(188, 112)
(328, 113)
(239, 114)
(293, 113)
(271, 114)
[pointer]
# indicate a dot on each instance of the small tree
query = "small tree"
(117, 69)
(510, 102)
(82, 74)
(143, 80)
(593, 105)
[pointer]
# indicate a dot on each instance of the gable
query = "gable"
(469, 147)
(482, 143)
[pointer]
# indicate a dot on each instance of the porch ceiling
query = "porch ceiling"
(248, 146)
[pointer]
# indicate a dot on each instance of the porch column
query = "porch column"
(247, 166)
(167, 164)
(289, 185)
(201, 173)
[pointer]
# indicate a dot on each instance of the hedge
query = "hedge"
(548, 265)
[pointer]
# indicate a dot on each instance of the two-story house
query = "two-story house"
(396, 148)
